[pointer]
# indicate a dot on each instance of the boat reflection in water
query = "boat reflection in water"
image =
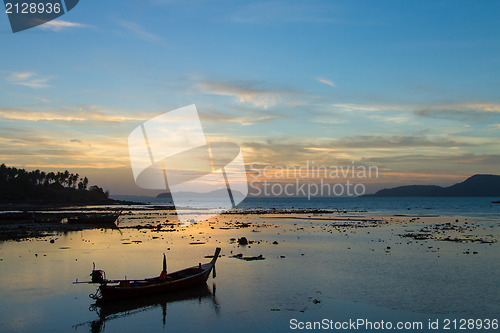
(124, 308)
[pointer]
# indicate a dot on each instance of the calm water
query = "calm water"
(424, 206)
(311, 274)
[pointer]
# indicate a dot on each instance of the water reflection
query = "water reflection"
(125, 308)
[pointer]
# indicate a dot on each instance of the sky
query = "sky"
(411, 87)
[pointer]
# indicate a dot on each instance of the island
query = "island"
(475, 186)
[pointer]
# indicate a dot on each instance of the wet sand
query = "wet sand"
(161, 220)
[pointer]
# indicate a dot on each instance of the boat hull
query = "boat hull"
(186, 278)
(107, 309)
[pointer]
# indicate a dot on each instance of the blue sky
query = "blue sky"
(410, 86)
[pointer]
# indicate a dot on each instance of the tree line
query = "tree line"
(17, 184)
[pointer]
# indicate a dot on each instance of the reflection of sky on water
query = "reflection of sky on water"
(460, 206)
(350, 272)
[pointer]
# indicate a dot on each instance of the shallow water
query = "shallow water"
(312, 273)
(449, 206)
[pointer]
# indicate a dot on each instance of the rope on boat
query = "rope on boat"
(94, 308)
(96, 295)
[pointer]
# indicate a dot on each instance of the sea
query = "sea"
(423, 206)
(315, 276)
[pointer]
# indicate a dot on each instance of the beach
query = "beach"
(250, 166)
(302, 265)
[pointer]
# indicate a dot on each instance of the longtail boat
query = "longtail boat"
(164, 283)
(98, 218)
(16, 216)
(47, 217)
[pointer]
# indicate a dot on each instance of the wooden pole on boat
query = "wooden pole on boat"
(163, 274)
(214, 259)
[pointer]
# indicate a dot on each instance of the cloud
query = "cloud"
(365, 108)
(89, 136)
(87, 114)
(56, 148)
(45, 100)
(28, 79)
(395, 141)
(325, 81)
(244, 92)
(139, 31)
(58, 25)
(461, 112)
(452, 158)
(339, 113)
(399, 158)
(21, 76)
(242, 120)
(276, 152)
(242, 115)
(297, 151)
(347, 148)
(393, 119)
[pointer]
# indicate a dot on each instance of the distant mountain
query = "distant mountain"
(220, 193)
(475, 186)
